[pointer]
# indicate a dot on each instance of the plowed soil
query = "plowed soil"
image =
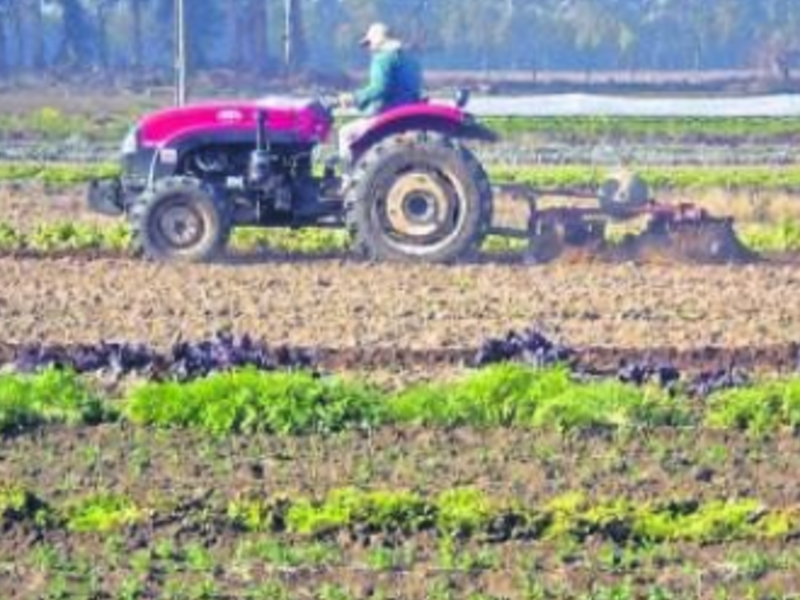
(343, 304)
(347, 305)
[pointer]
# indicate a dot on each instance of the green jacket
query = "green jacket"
(395, 79)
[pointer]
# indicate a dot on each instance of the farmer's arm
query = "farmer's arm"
(379, 80)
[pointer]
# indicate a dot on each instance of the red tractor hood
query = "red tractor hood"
(289, 119)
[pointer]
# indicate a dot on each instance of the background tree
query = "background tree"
(5, 13)
(577, 35)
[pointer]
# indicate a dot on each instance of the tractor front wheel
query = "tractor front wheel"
(418, 198)
(180, 220)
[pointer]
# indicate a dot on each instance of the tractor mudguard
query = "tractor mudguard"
(441, 118)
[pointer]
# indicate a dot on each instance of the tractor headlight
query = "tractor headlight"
(130, 145)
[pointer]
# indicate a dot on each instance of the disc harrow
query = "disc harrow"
(664, 233)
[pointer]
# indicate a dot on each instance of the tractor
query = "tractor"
(404, 184)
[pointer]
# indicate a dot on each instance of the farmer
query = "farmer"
(395, 79)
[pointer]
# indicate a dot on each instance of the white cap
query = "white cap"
(377, 34)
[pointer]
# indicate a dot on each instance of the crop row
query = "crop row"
(51, 124)
(116, 238)
(660, 178)
(56, 174)
(189, 360)
(297, 403)
(780, 237)
(551, 176)
(723, 130)
(455, 514)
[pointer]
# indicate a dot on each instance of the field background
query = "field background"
(388, 465)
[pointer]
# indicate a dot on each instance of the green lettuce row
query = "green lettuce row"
(57, 174)
(711, 129)
(455, 514)
(779, 237)
(664, 178)
(300, 403)
(467, 512)
(50, 123)
(116, 238)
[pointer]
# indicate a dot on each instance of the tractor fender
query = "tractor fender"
(448, 121)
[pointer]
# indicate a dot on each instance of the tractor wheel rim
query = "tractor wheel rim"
(419, 207)
(181, 226)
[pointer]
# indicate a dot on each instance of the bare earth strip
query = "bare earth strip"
(349, 305)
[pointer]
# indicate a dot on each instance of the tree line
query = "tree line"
(270, 36)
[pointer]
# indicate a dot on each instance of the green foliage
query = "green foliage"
(50, 123)
(102, 513)
(248, 401)
(291, 555)
(453, 516)
(255, 514)
(463, 512)
(10, 238)
(49, 397)
(456, 512)
(66, 236)
(783, 237)
(295, 241)
(300, 403)
(57, 174)
(670, 178)
(719, 130)
(466, 512)
(378, 511)
(453, 557)
(708, 523)
(572, 515)
(18, 503)
(501, 395)
(496, 244)
(76, 236)
(13, 500)
(515, 395)
(758, 409)
(607, 404)
(307, 517)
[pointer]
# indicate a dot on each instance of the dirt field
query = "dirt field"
(345, 305)
(179, 549)
(394, 317)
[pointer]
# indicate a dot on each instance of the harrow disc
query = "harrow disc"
(703, 241)
(568, 240)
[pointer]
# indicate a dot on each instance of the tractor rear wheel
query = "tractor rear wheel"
(180, 220)
(418, 198)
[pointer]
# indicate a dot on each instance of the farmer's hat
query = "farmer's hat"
(377, 35)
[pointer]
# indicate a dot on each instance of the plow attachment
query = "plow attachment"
(671, 233)
(701, 239)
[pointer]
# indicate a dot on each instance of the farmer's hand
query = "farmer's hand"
(347, 100)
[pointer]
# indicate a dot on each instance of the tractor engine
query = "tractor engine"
(264, 183)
